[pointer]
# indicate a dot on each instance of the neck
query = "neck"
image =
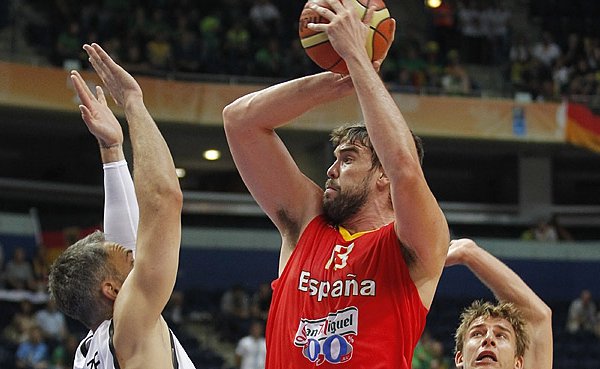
(368, 219)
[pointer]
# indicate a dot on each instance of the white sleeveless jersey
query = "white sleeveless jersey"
(96, 351)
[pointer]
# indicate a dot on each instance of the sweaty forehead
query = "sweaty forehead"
(492, 322)
(355, 146)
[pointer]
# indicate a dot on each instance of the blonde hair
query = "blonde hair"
(502, 310)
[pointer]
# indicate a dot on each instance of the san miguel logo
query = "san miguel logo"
(328, 339)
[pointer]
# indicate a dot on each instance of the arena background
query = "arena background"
(500, 157)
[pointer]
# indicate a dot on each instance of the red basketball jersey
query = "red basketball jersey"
(344, 299)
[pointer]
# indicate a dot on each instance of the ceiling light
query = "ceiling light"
(180, 172)
(433, 3)
(212, 154)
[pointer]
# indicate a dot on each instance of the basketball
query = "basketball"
(320, 50)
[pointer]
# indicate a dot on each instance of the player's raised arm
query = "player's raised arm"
(420, 223)
(148, 287)
(120, 204)
(286, 195)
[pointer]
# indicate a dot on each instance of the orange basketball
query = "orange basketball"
(318, 47)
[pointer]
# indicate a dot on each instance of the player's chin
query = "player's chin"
(330, 192)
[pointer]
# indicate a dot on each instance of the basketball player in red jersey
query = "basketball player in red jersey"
(514, 333)
(360, 261)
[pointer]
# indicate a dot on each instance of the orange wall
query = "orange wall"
(202, 103)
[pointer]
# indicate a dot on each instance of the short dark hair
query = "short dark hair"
(357, 132)
(76, 277)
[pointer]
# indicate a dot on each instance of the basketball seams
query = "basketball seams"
(332, 68)
(382, 16)
(314, 40)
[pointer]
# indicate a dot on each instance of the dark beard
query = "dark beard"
(345, 205)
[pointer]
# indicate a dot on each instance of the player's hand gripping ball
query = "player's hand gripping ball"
(320, 50)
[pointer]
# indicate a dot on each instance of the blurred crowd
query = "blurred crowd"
(259, 38)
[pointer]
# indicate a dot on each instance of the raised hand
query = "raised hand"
(96, 114)
(458, 248)
(121, 85)
(345, 30)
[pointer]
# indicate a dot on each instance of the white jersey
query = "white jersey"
(96, 351)
(252, 351)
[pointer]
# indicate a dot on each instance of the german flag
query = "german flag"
(583, 127)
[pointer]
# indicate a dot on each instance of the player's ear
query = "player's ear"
(382, 179)
(519, 362)
(110, 290)
(458, 360)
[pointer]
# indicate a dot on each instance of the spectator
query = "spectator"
(63, 354)
(176, 312)
(261, 300)
(22, 321)
(19, 273)
(159, 52)
(187, 58)
(40, 268)
(237, 46)
(581, 316)
(433, 66)
(235, 310)
(265, 18)
(562, 232)
(470, 27)
(443, 21)
(210, 52)
(235, 302)
(413, 67)
(68, 45)
(438, 359)
(33, 352)
(520, 58)
(251, 350)
(543, 231)
(422, 356)
(455, 80)
(268, 59)
(295, 61)
(575, 49)
(52, 322)
(498, 18)
(546, 51)
(561, 75)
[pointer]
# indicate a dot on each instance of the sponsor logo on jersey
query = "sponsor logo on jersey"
(328, 339)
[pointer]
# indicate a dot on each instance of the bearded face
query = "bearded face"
(339, 204)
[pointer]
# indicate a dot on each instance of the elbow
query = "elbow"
(545, 313)
(174, 196)
(177, 198)
(166, 196)
(233, 115)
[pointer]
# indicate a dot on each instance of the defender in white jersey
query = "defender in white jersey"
(94, 280)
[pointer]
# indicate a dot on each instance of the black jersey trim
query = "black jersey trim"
(111, 346)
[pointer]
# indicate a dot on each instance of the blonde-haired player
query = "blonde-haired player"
(516, 332)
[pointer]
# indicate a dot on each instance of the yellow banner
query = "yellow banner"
(202, 104)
